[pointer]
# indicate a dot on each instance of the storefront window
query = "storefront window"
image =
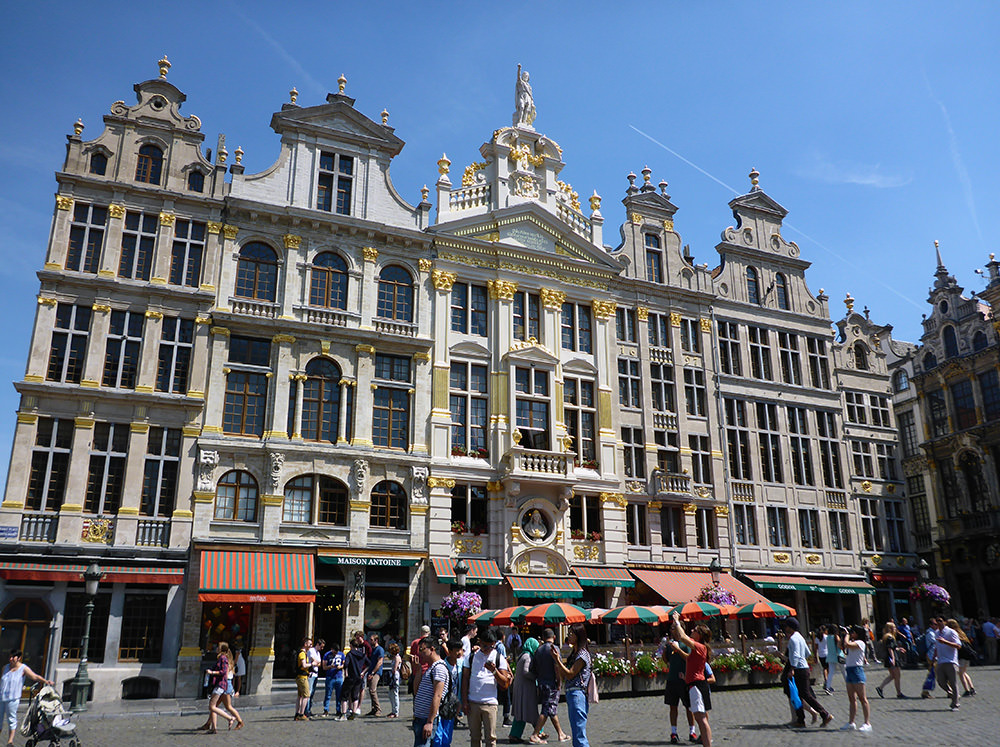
(225, 622)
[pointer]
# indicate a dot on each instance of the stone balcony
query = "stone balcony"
(980, 522)
(39, 527)
(665, 420)
(666, 483)
(251, 307)
(521, 462)
(392, 327)
(325, 316)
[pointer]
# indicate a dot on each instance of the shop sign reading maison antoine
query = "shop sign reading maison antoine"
(362, 560)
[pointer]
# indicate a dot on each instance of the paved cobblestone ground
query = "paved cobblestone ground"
(742, 717)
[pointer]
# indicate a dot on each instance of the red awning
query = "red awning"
(116, 574)
(481, 571)
(256, 577)
(683, 586)
(903, 578)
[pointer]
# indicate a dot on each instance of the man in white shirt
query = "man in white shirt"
(946, 650)
(798, 658)
(479, 690)
(991, 633)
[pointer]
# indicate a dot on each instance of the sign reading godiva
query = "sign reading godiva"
(355, 560)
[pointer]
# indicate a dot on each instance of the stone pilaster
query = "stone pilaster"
(59, 238)
(150, 358)
(128, 512)
(278, 389)
(365, 402)
(100, 323)
(164, 249)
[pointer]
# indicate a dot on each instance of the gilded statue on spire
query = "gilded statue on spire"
(524, 102)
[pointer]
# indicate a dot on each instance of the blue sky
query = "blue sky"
(873, 123)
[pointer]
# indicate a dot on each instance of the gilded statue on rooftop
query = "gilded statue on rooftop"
(524, 102)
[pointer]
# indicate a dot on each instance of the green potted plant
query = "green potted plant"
(765, 668)
(731, 670)
(613, 674)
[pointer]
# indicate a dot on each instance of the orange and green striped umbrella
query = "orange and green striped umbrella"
(484, 616)
(764, 609)
(700, 610)
(510, 615)
(555, 612)
(632, 614)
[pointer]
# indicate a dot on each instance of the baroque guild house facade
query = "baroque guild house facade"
(289, 401)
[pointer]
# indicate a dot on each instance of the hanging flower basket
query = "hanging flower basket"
(930, 592)
(460, 605)
(717, 595)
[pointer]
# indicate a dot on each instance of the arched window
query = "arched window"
(321, 401)
(196, 181)
(979, 341)
(395, 294)
(236, 497)
(753, 286)
(149, 165)
(900, 381)
(781, 290)
(326, 495)
(257, 272)
(99, 164)
(930, 361)
(388, 505)
(950, 342)
(328, 282)
(860, 356)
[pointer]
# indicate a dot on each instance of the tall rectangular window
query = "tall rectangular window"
(658, 330)
(333, 188)
(634, 453)
(769, 441)
(469, 408)
(937, 413)
(989, 386)
(917, 490)
(895, 526)
(121, 353)
(49, 464)
(527, 315)
(809, 528)
(469, 509)
(871, 532)
(690, 336)
(662, 379)
(72, 630)
(667, 451)
(68, 351)
(187, 253)
(246, 386)
(789, 358)
(629, 383)
(584, 516)
(840, 536)
(86, 237)
(801, 454)
(635, 521)
(672, 526)
(159, 483)
(885, 455)
(694, 392)
(738, 439)
(138, 241)
(745, 521)
(819, 367)
(391, 408)
(706, 529)
(879, 411)
(760, 353)
(625, 324)
(730, 361)
(861, 457)
(174, 364)
(580, 416)
(701, 459)
(965, 404)
(576, 327)
(654, 258)
(531, 388)
(856, 412)
(908, 433)
(829, 449)
(143, 619)
(469, 309)
(777, 526)
(106, 476)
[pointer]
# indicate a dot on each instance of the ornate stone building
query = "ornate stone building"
(947, 401)
(289, 401)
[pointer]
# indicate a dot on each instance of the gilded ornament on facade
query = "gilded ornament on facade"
(441, 482)
(552, 298)
(362, 348)
(468, 545)
(655, 505)
(876, 560)
(292, 241)
(635, 218)
(616, 498)
(424, 265)
(516, 437)
(782, 557)
(690, 509)
(167, 219)
(116, 211)
(283, 338)
(890, 488)
(668, 225)
(230, 231)
(636, 486)
(443, 280)
(722, 511)
(812, 559)
(369, 253)
(494, 486)
(595, 201)
(604, 309)
(213, 227)
(522, 566)
(642, 312)
(97, 530)
(706, 325)
(63, 202)
(675, 319)
(101, 308)
(502, 289)
(586, 552)
(703, 492)
(43, 301)
(552, 567)
(866, 486)
(443, 164)
(469, 175)
(421, 357)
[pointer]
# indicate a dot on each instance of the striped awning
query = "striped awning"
(851, 587)
(598, 576)
(120, 574)
(546, 587)
(228, 576)
(685, 586)
(481, 572)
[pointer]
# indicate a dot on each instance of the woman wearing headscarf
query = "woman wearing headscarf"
(524, 700)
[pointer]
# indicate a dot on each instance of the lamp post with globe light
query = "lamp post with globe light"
(80, 685)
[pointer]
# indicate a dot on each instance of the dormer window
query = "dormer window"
(196, 181)
(753, 286)
(333, 190)
(654, 259)
(781, 291)
(99, 164)
(149, 165)
(860, 357)
(950, 342)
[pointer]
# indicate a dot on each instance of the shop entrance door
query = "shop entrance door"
(25, 625)
(289, 627)
(328, 613)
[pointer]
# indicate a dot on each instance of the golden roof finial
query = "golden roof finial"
(164, 64)
(385, 116)
(423, 193)
(443, 164)
(293, 94)
(754, 177)
(849, 302)
(78, 126)
(239, 154)
(646, 174)
(595, 201)
(341, 83)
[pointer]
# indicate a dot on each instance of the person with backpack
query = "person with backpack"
(451, 704)
(430, 692)
(356, 668)
(302, 666)
(486, 672)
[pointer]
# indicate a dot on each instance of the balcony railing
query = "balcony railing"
(665, 420)
(329, 317)
(661, 355)
(153, 533)
(467, 198)
(836, 499)
(389, 327)
(743, 491)
(250, 307)
(669, 482)
(982, 521)
(576, 221)
(922, 541)
(39, 527)
(541, 462)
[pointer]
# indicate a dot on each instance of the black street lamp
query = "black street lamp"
(461, 573)
(716, 569)
(79, 686)
(925, 569)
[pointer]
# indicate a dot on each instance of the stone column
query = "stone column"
(114, 631)
(41, 339)
(360, 504)
(111, 255)
(203, 496)
(271, 502)
(227, 258)
(127, 522)
(292, 292)
(215, 402)
(282, 364)
(70, 514)
(19, 469)
(439, 516)
(606, 358)
(162, 254)
(420, 403)
(260, 662)
(150, 358)
(59, 237)
(613, 516)
(93, 371)
(342, 424)
(369, 287)
(201, 348)
(212, 260)
(419, 507)
(365, 402)
(183, 515)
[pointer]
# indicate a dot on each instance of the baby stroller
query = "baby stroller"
(46, 721)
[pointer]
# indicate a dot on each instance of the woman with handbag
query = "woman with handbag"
(524, 692)
(965, 656)
(575, 673)
(893, 650)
